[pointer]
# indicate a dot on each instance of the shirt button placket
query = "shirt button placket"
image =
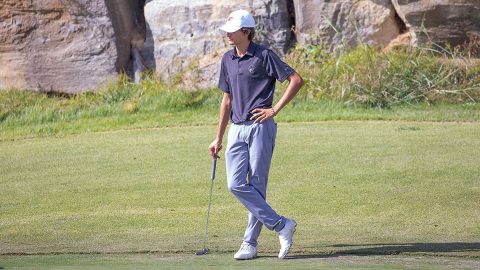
(239, 66)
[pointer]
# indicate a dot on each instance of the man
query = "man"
(247, 78)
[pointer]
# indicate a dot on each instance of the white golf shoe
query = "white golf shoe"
(286, 237)
(246, 252)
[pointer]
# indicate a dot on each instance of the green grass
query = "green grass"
(366, 76)
(355, 188)
(119, 105)
(119, 177)
(362, 83)
(221, 261)
(29, 115)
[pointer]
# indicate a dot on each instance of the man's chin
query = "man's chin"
(231, 43)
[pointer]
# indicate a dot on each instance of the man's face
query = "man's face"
(237, 37)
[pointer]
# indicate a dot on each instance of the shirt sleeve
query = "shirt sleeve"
(223, 83)
(276, 68)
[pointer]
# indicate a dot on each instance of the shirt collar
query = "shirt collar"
(250, 50)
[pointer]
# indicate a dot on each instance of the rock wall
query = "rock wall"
(337, 23)
(442, 21)
(55, 45)
(67, 46)
(345, 23)
(184, 34)
(77, 45)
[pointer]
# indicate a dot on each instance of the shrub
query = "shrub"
(366, 76)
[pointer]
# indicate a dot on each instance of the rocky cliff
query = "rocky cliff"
(345, 23)
(68, 46)
(77, 45)
(184, 34)
(442, 21)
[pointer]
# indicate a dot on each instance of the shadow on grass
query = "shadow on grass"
(394, 249)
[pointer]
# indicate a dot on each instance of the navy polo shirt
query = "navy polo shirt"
(250, 80)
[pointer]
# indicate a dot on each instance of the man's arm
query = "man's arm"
(225, 109)
(295, 83)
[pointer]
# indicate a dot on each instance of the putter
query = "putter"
(204, 251)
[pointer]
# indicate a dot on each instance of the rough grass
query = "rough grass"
(366, 76)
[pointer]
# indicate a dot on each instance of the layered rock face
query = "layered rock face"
(73, 46)
(442, 21)
(185, 34)
(66, 46)
(189, 39)
(344, 22)
(337, 23)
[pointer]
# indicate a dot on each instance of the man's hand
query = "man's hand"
(260, 115)
(215, 147)
(295, 83)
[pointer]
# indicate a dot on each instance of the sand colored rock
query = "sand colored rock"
(74, 46)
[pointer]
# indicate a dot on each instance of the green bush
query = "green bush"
(366, 76)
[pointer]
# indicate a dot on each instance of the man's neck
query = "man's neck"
(242, 48)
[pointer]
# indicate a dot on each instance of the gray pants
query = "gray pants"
(249, 153)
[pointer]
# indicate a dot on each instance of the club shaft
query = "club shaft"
(208, 215)
(214, 166)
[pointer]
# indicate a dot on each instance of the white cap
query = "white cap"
(237, 20)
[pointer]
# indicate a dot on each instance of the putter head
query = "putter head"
(202, 252)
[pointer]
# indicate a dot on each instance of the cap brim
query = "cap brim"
(229, 28)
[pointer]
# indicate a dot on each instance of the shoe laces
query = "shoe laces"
(246, 247)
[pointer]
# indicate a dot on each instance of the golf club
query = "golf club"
(205, 249)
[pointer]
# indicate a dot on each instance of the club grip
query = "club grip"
(214, 167)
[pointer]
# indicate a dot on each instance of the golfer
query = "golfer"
(247, 78)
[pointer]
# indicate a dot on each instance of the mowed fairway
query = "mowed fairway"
(139, 198)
